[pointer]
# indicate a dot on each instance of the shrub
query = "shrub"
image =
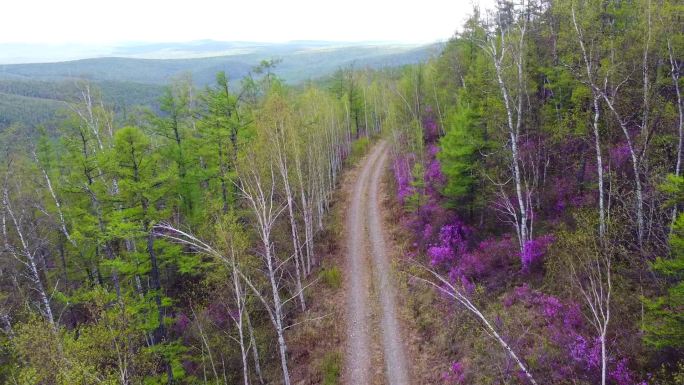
(359, 149)
(332, 277)
(331, 366)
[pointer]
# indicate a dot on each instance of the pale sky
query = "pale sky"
(117, 21)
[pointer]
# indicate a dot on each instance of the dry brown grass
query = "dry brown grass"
(312, 342)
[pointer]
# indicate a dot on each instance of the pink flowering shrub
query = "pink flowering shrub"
(586, 351)
(620, 156)
(551, 334)
(534, 251)
(622, 375)
(181, 324)
(457, 277)
(561, 328)
(430, 126)
(455, 375)
(452, 244)
(218, 314)
(496, 252)
(426, 221)
(562, 191)
(432, 151)
(465, 264)
(402, 174)
(433, 175)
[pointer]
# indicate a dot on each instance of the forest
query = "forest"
(534, 194)
(34, 94)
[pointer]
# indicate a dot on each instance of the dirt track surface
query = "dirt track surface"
(371, 294)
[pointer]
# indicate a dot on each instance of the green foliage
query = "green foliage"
(96, 353)
(418, 198)
(332, 277)
(129, 301)
(665, 322)
(359, 149)
(331, 368)
(674, 188)
(459, 152)
(670, 374)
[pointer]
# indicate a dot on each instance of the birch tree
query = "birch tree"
(506, 44)
(673, 42)
(259, 192)
(230, 238)
(590, 63)
(276, 122)
(443, 285)
(589, 261)
(28, 246)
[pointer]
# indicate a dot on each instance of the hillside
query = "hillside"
(29, 93)
(508, 211)
(299, 62)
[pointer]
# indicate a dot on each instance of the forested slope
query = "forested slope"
(536, 167)
(128, 82)
(154, 247)
(539, 169)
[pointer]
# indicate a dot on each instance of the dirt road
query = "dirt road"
(370, 288)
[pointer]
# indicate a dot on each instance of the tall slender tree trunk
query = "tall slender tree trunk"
(280, 143)
(222, 169)
(255, 348)
(635, 168)
(513, 132)
(31, 263)
(675, 67)
(308, 236)
(588, 65)
(58, 205)
(296, 246)
(604, 358)
(278, 310)
(599, 167)
(239, 322)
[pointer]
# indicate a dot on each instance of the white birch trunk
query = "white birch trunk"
(521, 219)
(239, 322)
(635, 168)
(30, 262)
(284, 173)
(674, 73)
(588, 65)
(266, 214)
(599, 168)
(255, 349)
(447, 288)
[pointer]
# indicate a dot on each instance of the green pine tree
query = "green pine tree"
(665, 318)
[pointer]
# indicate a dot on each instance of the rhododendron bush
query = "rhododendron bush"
(547, 324)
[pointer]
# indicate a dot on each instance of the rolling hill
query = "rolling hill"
(136, 74)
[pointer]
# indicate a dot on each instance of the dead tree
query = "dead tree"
(446, 287)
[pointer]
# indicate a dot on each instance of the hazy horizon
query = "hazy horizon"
(40, 31)
(17, 53)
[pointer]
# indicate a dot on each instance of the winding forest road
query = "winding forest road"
(370, 288)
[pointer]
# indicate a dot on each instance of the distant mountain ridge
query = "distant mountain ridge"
(142, 63)
(133, 74)
(15, 53)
